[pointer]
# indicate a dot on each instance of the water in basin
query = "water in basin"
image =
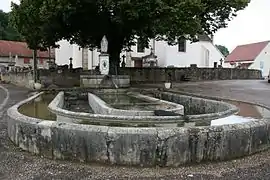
(38, 108)
(77, 103)
(247, 113)
(128, 102)
(119, 99)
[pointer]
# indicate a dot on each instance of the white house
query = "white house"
(251, 56)
(13, 53)
(203, 53)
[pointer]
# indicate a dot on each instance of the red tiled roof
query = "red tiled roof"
(247, 52)
(19, 48)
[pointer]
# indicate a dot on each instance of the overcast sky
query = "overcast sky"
(251, 24)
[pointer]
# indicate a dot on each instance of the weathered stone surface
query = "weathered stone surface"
(80, 142)
(44, 138)
(259, 136)
(102, 81)
(200, 108)
(132, 146)
(213, 144)
(173, 147)
(136, 146)
(160, 75)
(236, 141)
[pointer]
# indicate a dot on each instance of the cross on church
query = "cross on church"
(221, 61)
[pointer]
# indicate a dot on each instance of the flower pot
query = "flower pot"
(37, 86)
(167, 85)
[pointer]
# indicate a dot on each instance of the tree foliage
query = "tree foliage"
(224, 50)
(28, 21)
(7, 32)
(85, 22)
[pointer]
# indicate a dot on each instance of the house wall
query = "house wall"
(183, 59)
(166, 55)
(227, 65)
(77, 56)
(264, 58)
(147, 51)
(63, 53)
(20, 62)
(214, 56)
(4, 61)
(160, 51)
(43, 64)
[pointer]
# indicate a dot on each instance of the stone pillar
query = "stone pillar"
(128, 59)
(104, 63)
(85, 59)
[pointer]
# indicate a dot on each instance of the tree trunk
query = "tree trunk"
(114, 55)
(35, 65)
(49, 54)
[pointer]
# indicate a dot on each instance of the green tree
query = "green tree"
(27, 20)
(85, 22)
(7, 32)
(223, 50)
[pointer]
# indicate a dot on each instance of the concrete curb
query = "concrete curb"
(3, 104)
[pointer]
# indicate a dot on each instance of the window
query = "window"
(181, 44)
(140, 47)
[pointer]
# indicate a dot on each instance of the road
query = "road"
(246, 90)
(16, 164)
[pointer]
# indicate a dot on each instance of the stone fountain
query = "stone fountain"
(104, 80)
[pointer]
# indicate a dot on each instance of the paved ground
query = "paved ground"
(15, 164)
(246, 90)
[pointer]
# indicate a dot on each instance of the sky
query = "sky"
(251, 25)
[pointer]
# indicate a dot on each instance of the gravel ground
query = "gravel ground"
(16, 164)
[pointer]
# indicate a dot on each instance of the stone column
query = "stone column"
(104, 57)
(85, 59)
(128, 59)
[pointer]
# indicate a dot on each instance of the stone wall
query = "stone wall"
(158, 75)
(66, 79)
(154, 146)
(23, 79)
(48, 78)
(102, 81)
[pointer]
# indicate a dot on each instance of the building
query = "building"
(251, 56)
(81, 57)
(18, 54)
(203, 53)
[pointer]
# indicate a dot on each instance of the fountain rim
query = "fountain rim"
(53, 107)
(13, 112)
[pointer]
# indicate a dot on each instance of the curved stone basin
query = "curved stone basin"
(135, 146)
(99, 106)
(222, 110)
